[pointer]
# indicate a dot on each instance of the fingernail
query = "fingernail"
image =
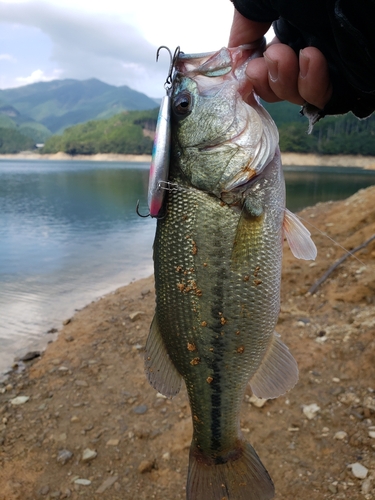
(303, 64)
(273, 68)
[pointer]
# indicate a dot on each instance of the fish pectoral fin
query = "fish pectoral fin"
(160, 370)
(298, 237)
(278, 372)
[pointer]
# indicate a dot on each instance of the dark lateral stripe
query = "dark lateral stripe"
(216, 310)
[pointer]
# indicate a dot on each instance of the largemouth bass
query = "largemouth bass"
(217, 256)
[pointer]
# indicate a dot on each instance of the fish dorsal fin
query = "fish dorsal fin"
(278, 372)
(298, 237)
(161, 372)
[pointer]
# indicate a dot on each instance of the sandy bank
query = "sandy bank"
(30, 155)
(313, 160)
(308, 160)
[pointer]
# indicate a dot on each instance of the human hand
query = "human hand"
(280, 74)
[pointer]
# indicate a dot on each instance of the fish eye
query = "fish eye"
(182, 103)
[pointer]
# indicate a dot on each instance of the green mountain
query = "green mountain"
(11, 118)
(61, 103)
(38, 111)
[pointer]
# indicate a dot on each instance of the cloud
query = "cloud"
(38, 76)
(87, 45)
(7, 57)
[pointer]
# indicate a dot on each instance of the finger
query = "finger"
(245, 31)
(283, 71)
(257, 74)
(314, 83)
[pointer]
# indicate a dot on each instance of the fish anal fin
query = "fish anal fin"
(241, 477)
(161, 372)
(278, 372)
(298, 237)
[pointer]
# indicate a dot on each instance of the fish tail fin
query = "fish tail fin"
(239, 476)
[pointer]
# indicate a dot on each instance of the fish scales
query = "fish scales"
(194, 248)
(217, 258)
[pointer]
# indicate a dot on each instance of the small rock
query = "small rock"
(140, 410)
(359, 470)
(166, 456)
(340, 435)
(74, 419)
(67, 321)
(366, 486)
(81, 383)
(30, 356)
(107, 484)
(88, 455)
(146, 466)
(369, 402)
(258, 402)
(348, 398)
(52, 330)
(145, 291)
(135, 315)
(64, 456)
(332, 488)
(44, 490)
(113, 442)
(19, 400)
(310, 411)
(372, 434)
(82, 482)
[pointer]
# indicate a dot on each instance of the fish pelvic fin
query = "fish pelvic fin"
(241, 477)
(161, 372)
(278, 372)
(298, 237)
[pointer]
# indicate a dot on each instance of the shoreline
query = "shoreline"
(288, 159)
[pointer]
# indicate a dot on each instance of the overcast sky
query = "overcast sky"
(112, 40)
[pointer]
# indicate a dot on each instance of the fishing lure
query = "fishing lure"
(159, 169)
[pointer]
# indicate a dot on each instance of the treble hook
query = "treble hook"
(140, 215)
(173, 59)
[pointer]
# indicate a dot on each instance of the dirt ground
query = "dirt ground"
(92, 427)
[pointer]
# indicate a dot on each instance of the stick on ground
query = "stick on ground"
(317, 283)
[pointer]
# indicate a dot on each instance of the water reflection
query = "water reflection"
(68, 234)
(307, 186)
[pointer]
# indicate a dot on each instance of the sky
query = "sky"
(112, 40)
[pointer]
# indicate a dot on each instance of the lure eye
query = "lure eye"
(183, 103)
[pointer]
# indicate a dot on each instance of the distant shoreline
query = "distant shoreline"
(289, 159)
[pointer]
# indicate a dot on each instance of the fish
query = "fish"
(217, 264)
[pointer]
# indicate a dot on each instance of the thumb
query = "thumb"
(244, 30)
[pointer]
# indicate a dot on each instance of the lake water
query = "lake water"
(69, 233)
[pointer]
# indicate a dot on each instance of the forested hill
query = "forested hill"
(132, 133)
(126, 133)
(344, 134)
